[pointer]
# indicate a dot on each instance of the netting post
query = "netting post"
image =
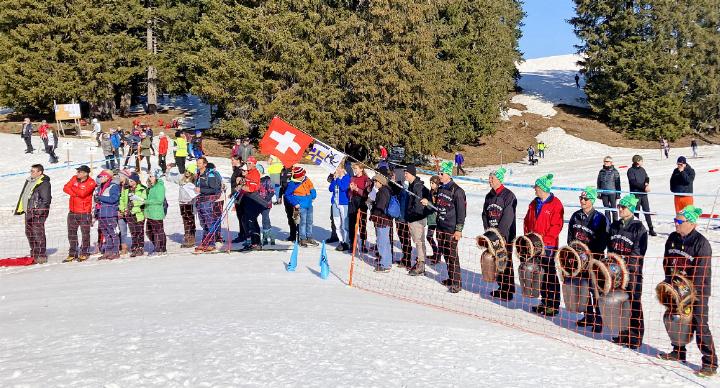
(712, 211)
(354, 250)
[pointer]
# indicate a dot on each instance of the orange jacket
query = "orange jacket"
(81, 194)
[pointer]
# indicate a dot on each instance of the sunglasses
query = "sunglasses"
(583, 198)
(621, 207)
(679, 222)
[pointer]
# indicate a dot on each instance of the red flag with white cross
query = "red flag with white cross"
(284, 141)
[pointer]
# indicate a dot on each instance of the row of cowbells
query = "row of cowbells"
(580, 271)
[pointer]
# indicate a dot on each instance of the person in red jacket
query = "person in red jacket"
(251, 205)
(162, 151)
(80, 188)
(545, 217)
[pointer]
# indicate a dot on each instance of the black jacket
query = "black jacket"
(637, 178)
(499, 212)
(285, 176)
(452, 207)
(210, 184)
(415, 211)
(608, 179)
(682, 181)
(378, 213)
(589, 229)
(237, 173)
(39, 199)
(630, 241)
(692, 255)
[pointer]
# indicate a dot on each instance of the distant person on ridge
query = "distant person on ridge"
(459, 161)
(694, 147)
(541, 149)
(577, 81)
(26, 134)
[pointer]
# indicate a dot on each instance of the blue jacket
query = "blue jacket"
(459, 159)
(115, 140)
(342, 185)
(210, 184)
(304, 196)
(108, 201)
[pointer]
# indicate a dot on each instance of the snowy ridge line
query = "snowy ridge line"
(474, 300)
(565, 188)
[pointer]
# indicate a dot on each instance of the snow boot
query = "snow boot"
(678, 354)
(267, 237)
(418, 269)
(69, 259)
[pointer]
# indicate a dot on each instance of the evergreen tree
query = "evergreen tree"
(646, 64)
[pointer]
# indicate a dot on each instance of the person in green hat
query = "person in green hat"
(499, 212)
(628, 238)
(545, 217)
(589, 227)
(688, 252)
(451, 210)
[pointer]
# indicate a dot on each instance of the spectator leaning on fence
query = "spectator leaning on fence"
(80, 188)
(34, 203)
(688, 253)
(451, 210)
(499, 210)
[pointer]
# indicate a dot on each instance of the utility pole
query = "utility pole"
(152, 72)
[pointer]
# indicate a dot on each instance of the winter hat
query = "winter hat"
(198, 133)
(84, 168)
(411, 169)
(629, 201)
(637, 158)
(106, 173)
(446, 167)
(135, 177)
(251, 159)
(298, 173)
(192, 167)
(682, 160)
(500, 174)
(380, 178)
(127, 172)
(162, 134)
(590, 193)
(545, 183)
(691, 213)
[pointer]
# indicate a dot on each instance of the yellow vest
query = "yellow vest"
(181, 147)
(275, 167)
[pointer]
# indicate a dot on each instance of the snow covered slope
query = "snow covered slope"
(240, 319)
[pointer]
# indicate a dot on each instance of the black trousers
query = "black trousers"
(403, 232)
(353, 215)
(241, 227)
(28, 144)
(550, 285)
(610, 200)
(637, 320)
(35, 232)
(291, 222)
(506, 278)
(645, 205)
(131, 151)
(449, 250)
(180, 163)
(188, 219)
(156, 234)
(83, 221)
(136, 232)
(703, 337)
(161, 162)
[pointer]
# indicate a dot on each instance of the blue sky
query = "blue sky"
(546, 31)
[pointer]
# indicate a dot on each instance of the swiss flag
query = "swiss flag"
(285, 142)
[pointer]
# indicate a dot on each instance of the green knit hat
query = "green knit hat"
(590, 193)
(500, 174)
(545, 183)
(630, 201)
(691, 213)
(446, 167)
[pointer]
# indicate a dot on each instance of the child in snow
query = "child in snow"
(300, 193)
(108, 151)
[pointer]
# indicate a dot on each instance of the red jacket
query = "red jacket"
(81, 194)
(163, 146)
(549, 223)
(43, 130)
(252, 180)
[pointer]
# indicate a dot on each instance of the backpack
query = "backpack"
(393, 207)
